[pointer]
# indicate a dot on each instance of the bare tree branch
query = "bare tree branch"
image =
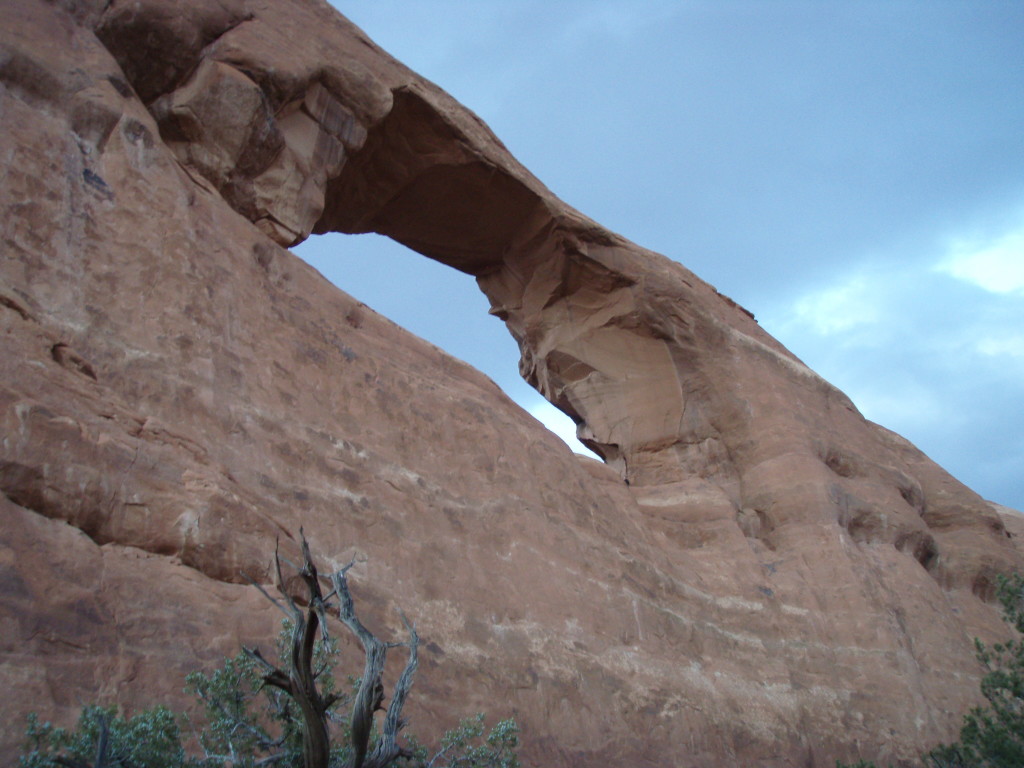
(300, 681)
(387, 748)
(269, 596)
(371, 689)
(274, 676)
(370, 696)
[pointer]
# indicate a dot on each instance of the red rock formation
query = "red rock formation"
(780, 582)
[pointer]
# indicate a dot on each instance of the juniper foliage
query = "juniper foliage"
(992, 736)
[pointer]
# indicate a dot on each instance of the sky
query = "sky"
(850, 172)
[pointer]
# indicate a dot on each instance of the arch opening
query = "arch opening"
(437, 303)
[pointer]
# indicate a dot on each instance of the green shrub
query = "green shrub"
(246, 724)
(150, 739)
(252, 708)
(992, 736)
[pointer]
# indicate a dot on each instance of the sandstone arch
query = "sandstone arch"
(779, 581)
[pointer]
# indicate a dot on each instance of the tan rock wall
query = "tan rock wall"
(779, 583)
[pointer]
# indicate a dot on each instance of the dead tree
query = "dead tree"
(300, 680)
(371, 688)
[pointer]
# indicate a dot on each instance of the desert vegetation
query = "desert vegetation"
(992, 735)
(288, 710)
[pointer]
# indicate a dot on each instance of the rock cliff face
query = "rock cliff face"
(757, 576)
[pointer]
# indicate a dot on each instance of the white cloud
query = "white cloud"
(618, 21)
(839, 308)
(905, 406)
(1002, 346)
(996, 265)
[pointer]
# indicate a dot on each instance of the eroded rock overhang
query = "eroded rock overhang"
(703, 413)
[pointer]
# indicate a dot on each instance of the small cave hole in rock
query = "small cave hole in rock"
(437, 303)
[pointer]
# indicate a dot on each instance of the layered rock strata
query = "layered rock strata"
(758, 575)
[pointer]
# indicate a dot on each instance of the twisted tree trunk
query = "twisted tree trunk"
(299, 682)
(371, 688)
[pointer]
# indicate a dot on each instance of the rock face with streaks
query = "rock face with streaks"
(756, 575)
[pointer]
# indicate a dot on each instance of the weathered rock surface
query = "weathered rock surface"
(779, 583)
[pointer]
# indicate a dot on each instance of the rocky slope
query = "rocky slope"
(757, 575)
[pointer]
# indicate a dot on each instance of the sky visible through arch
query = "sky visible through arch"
(852, 173)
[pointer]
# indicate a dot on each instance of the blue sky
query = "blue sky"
(851, 172)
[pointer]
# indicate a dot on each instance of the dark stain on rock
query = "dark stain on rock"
(66, 357)
(96, 183)
(121, 86)
(7, 301)
(137, 133)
